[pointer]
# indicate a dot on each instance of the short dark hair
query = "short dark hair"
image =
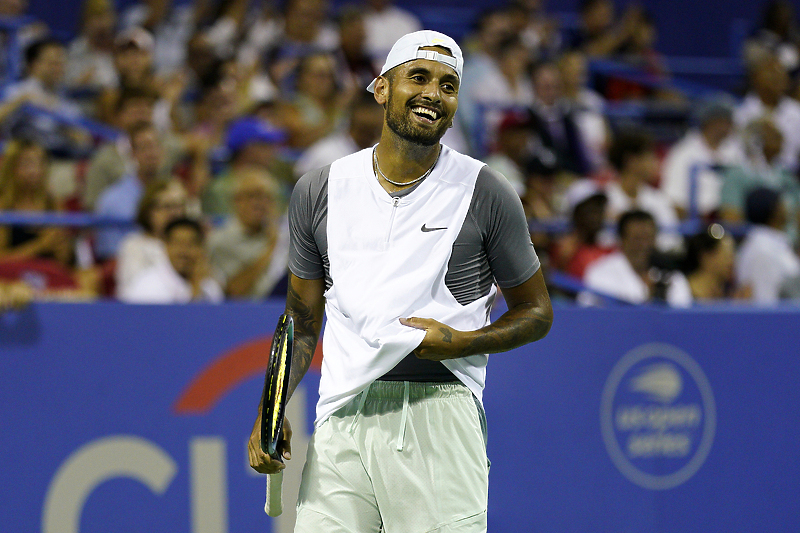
(33, 51)
(629, 217)
(702, 243)
(184, 222)
(628, 143)
(761, 204)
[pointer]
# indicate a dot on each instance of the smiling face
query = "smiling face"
(420, 98)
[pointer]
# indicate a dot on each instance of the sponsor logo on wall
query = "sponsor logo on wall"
(658, 416)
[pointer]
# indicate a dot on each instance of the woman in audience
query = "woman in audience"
(23, 187)
(161, 203)
(319, 105)
(709, 265)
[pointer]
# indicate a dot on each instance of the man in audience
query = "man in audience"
(691, 172)
(586, 242)
(43, 87)
(249, 254)
(633, 156)
(768, 99)
(111, 161)
(630, 274)
(363, 131)
(252, 143)
(185, 278)
(385, 23)
(553, 121)
(512, 150)
(766, 262)
(121, 199)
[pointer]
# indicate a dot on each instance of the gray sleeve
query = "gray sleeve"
(307, 209)
(498, 213)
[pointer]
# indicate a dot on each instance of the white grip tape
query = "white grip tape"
(274, 504)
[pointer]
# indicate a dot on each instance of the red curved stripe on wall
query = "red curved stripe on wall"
(227, 372)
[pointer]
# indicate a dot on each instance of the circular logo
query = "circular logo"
(657, 416)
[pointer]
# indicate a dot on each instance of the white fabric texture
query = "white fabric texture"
(161, 284)
(766, 262)
(384, 267)
(614, 276)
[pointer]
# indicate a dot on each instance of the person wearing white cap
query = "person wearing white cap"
(402, 245)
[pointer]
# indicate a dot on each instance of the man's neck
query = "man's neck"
(403, 161)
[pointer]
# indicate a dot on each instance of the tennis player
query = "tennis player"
(402, 245)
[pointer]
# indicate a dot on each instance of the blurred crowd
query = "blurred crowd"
(182, 126)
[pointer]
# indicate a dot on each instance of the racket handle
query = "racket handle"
(274, 504)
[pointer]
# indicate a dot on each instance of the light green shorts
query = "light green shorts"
(402, 457)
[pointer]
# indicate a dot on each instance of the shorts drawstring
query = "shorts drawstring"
(403, 418)
(360, 408)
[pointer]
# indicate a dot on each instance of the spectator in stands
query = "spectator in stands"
(355, 58)
(766, 262)
(587, 104)
(709, 265)
(385, 23)
(319, 104)
(121, 199)
(23, 187)
(252, 144)
(111, 161)
(492, 27)
(133, 58)
(171, 24)
(553, 120)
(768, 99)
(504, 85)
(690, 174)
(634, 157)
(778, 36)
(249, 254)
(512, 150)
(306, 31)
(43, 87)
(161, 203)
(629, 274)
(185, 277)
(90, 59)
(363, 131)
(538, 30)
(541, 177)
(600, 34)
(29, 32)
(761, 168)
(585, 243)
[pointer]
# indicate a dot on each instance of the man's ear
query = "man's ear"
(381, 90)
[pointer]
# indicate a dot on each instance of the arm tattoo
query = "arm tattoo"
(306, 333)
(523, 324)
(447, 335)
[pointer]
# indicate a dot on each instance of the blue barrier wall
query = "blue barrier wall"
(135, 418)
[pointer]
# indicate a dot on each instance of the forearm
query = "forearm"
(523, 324)
(306, 310)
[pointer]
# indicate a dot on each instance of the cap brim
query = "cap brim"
(371, 86)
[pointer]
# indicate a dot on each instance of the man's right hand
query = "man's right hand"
(260, 461)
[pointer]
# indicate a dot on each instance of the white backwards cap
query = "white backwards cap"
(407, 48)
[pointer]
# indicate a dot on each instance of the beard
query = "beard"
(397, 120)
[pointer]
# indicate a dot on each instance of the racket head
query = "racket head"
(276, 386)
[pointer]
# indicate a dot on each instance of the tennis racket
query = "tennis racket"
(273, 408)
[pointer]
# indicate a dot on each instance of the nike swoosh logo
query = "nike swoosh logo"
(427, 229)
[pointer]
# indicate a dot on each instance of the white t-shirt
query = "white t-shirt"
(137, 253)
(690, 151)
(613, 275)
(161, 284)
(766, 262)
(786, 117)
